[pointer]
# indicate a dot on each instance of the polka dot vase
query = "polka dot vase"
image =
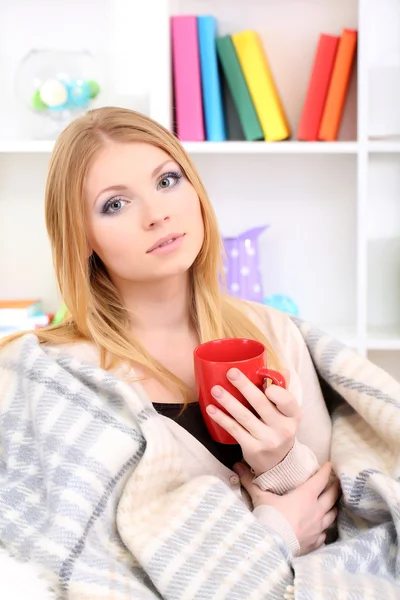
(241, 265)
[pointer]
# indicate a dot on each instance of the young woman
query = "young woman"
(137, 254)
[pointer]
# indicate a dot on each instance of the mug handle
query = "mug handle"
(276, 377)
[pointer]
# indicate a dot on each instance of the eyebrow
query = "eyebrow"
(122, 188)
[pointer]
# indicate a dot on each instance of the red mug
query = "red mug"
(212, 361)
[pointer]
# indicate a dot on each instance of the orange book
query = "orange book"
(318, 87)
(338, 86)
(22, 304)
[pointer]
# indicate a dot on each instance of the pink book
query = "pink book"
(186, 78)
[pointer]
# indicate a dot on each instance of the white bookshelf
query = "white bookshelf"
(294, 147)
(333, 208)
(29, 146)
(26, 146)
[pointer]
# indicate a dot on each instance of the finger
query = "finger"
(329, 518)
(245, 474)
(329, 497)
(241, 435)
(239, 412)
(246, 479)
(256, 397)
(319, 481)
(286, 376)
(333, 478)
(321, 539)
(284, 401)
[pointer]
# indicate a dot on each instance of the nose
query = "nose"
(157, 221)
(155, 215)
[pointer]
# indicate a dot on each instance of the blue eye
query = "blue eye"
(113, 206)
(169, 180)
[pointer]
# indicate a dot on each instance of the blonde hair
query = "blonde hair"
(96, 311)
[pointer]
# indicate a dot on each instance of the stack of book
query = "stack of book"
(210, 71)
(21, 315)
(224, 88)
(328, 86)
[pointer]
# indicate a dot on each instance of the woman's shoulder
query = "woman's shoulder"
(13, 345)
(83, 351)
(271, 321)
(28, 346)
(280, 330)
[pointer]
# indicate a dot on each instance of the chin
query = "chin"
(174, 271)
(171, 267)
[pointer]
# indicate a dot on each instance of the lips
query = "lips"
(167, 239)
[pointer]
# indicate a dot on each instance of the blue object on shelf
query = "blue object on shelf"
(78, 93)
(210, 79)
(282, 303)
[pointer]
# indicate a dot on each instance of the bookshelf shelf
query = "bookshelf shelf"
(290, 147)
(26, 146)
(384, 338)
(384, 147)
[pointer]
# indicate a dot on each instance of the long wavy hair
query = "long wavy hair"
(95, 308)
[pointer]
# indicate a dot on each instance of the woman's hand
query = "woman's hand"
(310, 509)
(265, 441)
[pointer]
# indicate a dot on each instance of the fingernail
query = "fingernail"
(217, 391)
(211, 409)
(238, 468)
(233, 374)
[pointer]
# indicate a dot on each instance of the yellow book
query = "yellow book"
(260, 82)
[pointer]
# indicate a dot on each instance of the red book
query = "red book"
(318, 86)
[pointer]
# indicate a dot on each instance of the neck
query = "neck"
(159, 306)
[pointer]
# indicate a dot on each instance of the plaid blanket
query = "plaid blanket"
(93, 493)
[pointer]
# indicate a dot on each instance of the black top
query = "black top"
(191, 419)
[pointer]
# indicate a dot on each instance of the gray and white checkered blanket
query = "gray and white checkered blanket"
(92, 490)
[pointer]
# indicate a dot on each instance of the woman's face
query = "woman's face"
(144, 217)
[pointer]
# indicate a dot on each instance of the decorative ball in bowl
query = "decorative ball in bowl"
(57, 84)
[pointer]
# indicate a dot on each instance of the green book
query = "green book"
(234, 129)
(237, 85)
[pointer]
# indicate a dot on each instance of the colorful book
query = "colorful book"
(238, 88)
(261, 84)
(318, 86)
(28, 307)
(338, 86)
(17, 315)
(210, 81)
(187, 79)
(234, 129)
(14, 311)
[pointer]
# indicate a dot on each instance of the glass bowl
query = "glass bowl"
(58, 84)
